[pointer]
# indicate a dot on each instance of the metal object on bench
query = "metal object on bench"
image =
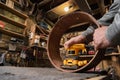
(59, 29)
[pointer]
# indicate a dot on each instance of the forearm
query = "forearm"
(107, 18)
(90, 30)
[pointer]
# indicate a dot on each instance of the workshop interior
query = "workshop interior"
(32, 37)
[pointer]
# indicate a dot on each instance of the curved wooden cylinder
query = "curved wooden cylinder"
(57, 32)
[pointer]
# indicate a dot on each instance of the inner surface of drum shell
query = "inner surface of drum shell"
(62, 25)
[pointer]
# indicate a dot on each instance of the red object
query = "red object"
(2, 25)
(91, 52)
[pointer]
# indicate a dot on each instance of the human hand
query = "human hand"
(99, 38)
(74, 40)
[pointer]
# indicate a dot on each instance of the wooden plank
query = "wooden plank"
(43, 31)
(80, 24)
(11, 21)
(97, 78)
(4, 48)
(39, 47)
(46, 32)
(49, 22)
(43, 39)
(13, 34)
(16, 2)
(3, 6)
(106, 55)
(112, 54)
(40, 29)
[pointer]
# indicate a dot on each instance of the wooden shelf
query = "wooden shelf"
(112, 54)
(61, 46)
(106, 55)
(4, 48)
(13, 34)
(43, 31)
(5, 7)
(16, 2)
(39, 47)
(86, 56)
(11, 21)
(43, 39)
(46, 32)
(38, 28)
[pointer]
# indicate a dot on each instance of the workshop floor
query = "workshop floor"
(23, 73)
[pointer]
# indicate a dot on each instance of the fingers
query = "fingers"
(74, 40)
(68, 44)
(96, 45)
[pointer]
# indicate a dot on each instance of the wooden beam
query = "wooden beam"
(49, 22)
(57, 2)
(101, 6)
(83, 5)
(53, 4)
(78, 27)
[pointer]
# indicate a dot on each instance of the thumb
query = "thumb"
(66, 46)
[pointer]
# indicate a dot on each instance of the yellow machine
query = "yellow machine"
(75, 49)
(71, 60)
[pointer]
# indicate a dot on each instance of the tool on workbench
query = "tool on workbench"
(72, 61)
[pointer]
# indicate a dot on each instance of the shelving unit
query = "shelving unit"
(5, 7)
(12, 21)
(14, 24)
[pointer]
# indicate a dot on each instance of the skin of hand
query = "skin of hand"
(74, 40)
(99, 38)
